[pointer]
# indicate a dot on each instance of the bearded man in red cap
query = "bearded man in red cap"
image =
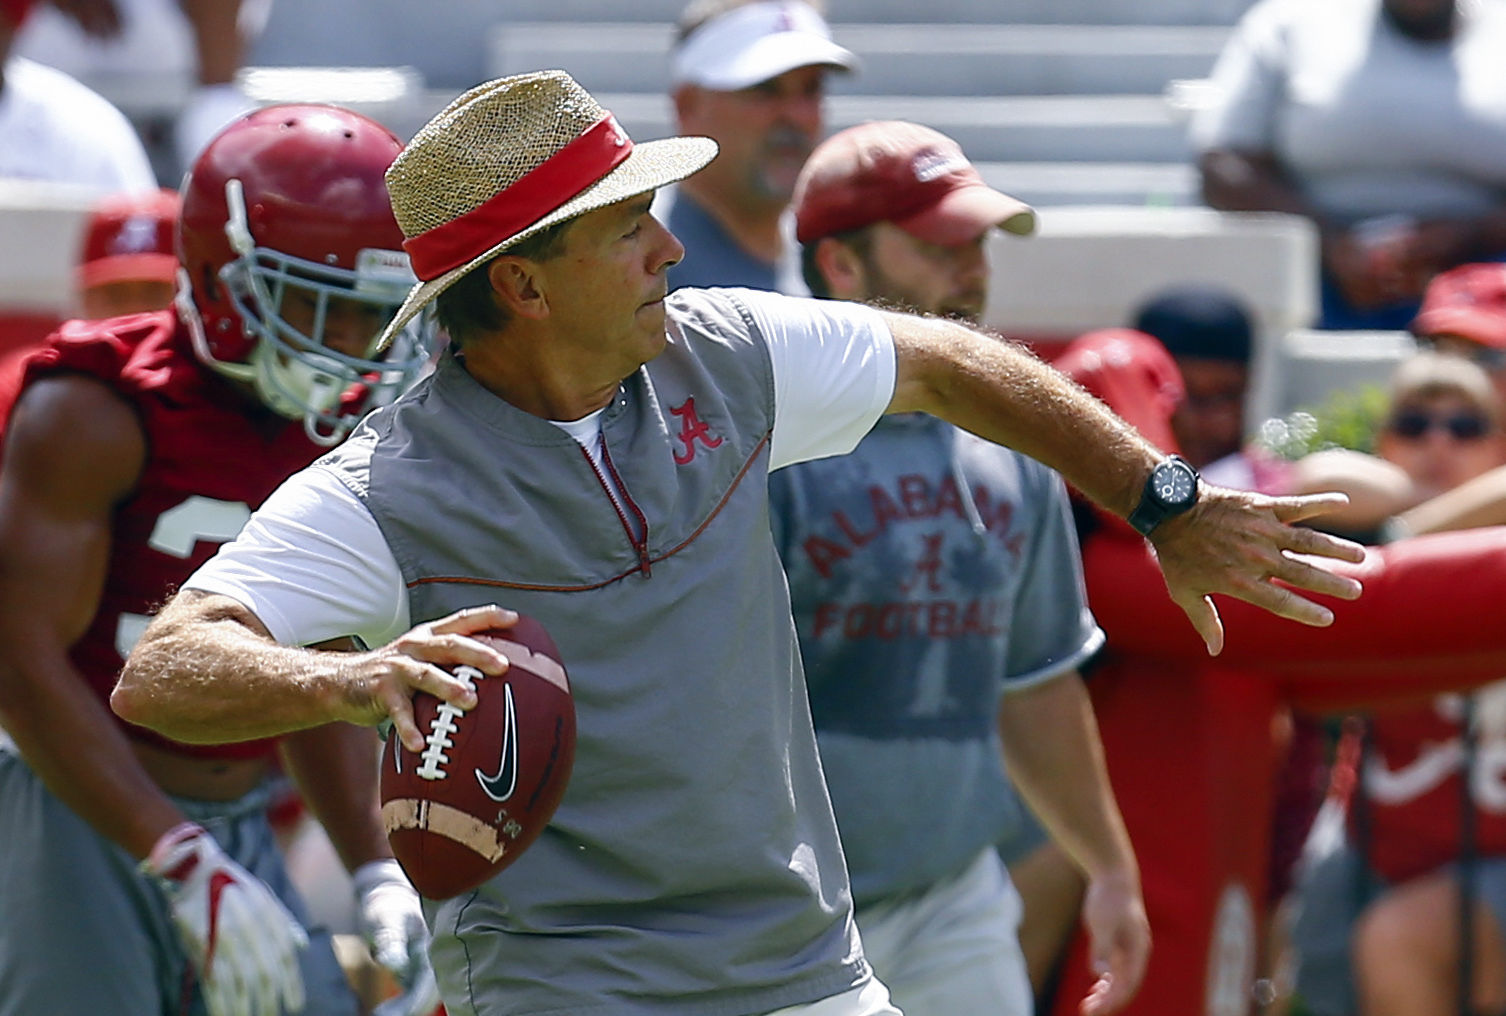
(894, 215)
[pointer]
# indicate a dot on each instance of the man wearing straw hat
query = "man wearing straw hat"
(594, 454)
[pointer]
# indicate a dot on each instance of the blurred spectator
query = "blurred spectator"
(893, 214)
(1464, 312)
(128, 265)
(1191, 743)
(1379, 120)
(752, 76)
(1405, 487)
(53, 128)
(1386, 909)
(1208, 333)
(197, 45)
(1444, 423)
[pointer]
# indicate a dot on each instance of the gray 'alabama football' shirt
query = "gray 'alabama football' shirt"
(930, 572)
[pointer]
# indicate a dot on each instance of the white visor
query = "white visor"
(755, 42)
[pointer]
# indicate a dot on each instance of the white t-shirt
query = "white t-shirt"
(53, 128)
(312, 564)
(1367, 121)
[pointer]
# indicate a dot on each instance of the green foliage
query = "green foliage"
(1348, 418)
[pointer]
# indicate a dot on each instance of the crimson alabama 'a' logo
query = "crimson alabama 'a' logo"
(692, 429)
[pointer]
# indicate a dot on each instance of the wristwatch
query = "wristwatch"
(1170, 490)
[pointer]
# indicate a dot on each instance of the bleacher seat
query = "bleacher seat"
(1091, 267)
(1305, 366)
(43, 228)
(897, 59)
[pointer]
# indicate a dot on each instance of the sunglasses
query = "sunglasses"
(1412, 424)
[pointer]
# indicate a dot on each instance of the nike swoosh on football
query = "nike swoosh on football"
(501, 786)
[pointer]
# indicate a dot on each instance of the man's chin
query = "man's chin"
(778, 178)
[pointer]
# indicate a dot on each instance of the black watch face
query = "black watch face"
(1175, 484)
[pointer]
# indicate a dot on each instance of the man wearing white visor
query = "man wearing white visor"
(752, 76)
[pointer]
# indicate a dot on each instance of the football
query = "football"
(489, 778)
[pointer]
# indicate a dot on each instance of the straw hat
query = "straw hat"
(510, 158)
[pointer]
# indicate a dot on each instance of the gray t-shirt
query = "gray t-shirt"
(930, 572)
(714, 258)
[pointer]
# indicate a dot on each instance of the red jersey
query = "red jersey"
(208, 465)
(1413, 777)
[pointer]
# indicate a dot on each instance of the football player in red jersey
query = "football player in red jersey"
(133, 447)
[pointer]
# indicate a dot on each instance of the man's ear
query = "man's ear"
(842, 269)
(516, 283)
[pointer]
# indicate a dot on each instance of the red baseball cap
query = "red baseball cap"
(130, 238)
(900, 172)
(1468, 301)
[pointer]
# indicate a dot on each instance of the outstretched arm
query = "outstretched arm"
(1477, 502)
(1234, 542)
(1053, 754)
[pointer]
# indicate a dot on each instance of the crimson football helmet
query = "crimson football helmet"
(286, 240)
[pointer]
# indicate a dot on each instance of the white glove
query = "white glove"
(242, 940)
(391, 919)
(420, 1000)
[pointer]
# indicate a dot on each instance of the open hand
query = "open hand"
(1245, 544)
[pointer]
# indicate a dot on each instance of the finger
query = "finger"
(400, 712)
(455, 650)
(1305, 575)
(1205, 620)
(233, 991)
(475, 619)
(391, 950)
(1119, 977)
(217, 998)
(291, 939)
(440, 680)
(1305, 506)
(293, 996)
(397, 701)
(1111, 993)
(1093, 1002)
(1283, 602)
(257, 948)
(1310, 541)
(236, 984)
